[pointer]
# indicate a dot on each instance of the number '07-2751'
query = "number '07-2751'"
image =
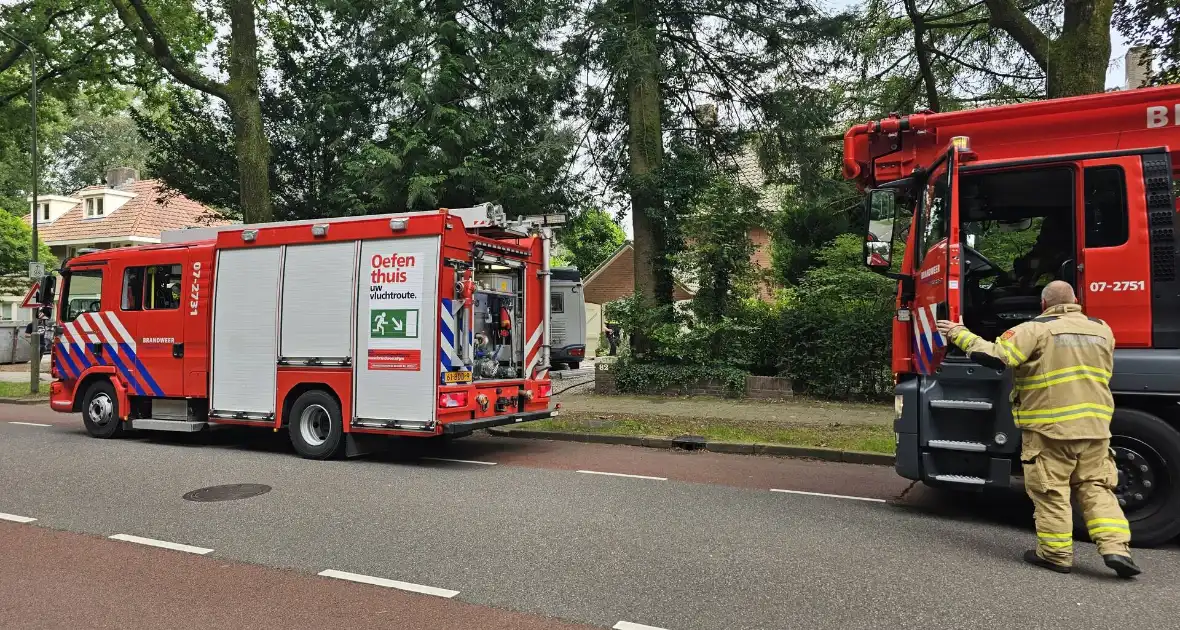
(1118, 285)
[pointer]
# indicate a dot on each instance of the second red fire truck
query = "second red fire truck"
(417, 325)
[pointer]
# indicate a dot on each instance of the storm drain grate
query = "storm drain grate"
(228, 492)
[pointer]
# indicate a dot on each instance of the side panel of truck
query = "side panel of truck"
(397, 327)
(245, 323)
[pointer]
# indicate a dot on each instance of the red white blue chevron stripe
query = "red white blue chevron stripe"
(74, 352)
(927, 340)
(448, 331)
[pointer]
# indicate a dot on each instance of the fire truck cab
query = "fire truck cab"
(973, 212)
(417, 325)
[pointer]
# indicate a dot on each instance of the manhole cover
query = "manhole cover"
(229, 492)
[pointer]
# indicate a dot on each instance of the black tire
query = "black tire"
(316, 426)
(575, 365)
(1155, 520)
(100, 411)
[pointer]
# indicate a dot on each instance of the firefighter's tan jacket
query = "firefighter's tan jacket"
(1062, 362)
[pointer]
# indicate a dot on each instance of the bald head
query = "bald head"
(1057, 293)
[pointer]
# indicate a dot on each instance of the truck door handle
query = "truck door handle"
(177, 350)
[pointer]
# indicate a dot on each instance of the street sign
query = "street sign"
(30, 300)
(36, 270)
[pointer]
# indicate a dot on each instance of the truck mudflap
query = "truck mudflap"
(467, 426)
(955, 426)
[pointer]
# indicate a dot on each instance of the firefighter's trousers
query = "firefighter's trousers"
(1055, 468)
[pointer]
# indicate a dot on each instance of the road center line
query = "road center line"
(163, 544)
(831, 496)
(376, 581)
(627, 625)
(15, 519)
(459, 461)
(29, 424)
(611, 474)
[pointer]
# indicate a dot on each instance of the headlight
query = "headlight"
(897, 404)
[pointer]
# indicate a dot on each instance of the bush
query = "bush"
(831, 335)
(838, 332)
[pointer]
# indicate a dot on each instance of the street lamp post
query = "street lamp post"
(35, 342)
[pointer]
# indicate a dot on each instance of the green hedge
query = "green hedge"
(831, 335)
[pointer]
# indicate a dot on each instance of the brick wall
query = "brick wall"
(617, 280)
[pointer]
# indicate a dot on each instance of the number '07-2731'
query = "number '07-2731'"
(1118, 285)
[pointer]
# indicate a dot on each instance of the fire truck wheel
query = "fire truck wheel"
(100, 410)
(1147, 454)
(316, 426)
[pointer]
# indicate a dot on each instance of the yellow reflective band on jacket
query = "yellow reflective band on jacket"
(1014, 356)
(1100, 525)
(1061, 414)
(965, 338)
(1056, 541)
(1064, 375)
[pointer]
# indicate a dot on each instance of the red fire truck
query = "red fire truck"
(417, 325)
(974, 212)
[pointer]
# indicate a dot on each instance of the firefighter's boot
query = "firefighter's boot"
(1032, 558)
(1124, 566)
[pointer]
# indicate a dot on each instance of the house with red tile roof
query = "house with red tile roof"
(123, 212)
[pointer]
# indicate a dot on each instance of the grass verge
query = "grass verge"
(867, 438)
(21, 390)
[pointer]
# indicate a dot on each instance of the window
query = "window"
(556, 303)
(44, 212)
(83, 294)
(936, 207)
(1106, 206)
(94, 207)
(151, 288)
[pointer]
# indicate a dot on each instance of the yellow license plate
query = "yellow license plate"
(461, 376)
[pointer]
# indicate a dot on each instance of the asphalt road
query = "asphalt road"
(692, 540)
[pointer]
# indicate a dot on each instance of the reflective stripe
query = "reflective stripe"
(1100, 525)
(965, 338)
(1055, 541)
(1099, 530)
(1011, 348)
(1101, 380)
(1045, 536)
(1057, 544)
(1060, 376)
(1061, 414)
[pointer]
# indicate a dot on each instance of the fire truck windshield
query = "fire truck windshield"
(82, 293)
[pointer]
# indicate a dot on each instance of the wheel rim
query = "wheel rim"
(1143, 477)
(315, 425)
(101, 409)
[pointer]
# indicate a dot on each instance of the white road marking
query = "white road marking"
(29, 424)
(830, 496)
(459, 461)
(376, 581)
(595, 472)
(627, 625)
(163, 544)
(15, 519)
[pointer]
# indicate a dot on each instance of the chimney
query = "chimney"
(120, 176)
(1137, 64)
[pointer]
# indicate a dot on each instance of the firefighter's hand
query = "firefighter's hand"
(945, 326)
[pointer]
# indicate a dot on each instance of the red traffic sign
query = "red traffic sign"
(30, 300)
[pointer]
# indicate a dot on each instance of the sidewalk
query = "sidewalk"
(791, 412)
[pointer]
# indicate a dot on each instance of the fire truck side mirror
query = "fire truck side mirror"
(879, 215)
(46, 290)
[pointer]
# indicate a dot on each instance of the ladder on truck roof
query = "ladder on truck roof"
(486, 219)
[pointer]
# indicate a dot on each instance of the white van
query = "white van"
(567, 322)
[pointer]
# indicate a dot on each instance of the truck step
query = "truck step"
(156, 424)
(962, 479)
(958, 445)
(975, 405)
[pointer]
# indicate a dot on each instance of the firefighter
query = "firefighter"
(1062, 402)
(1048, 253)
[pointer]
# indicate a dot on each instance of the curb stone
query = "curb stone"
(23, 401)
(737, 448)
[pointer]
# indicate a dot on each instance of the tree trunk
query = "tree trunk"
(653, 278)
(250, 143)
(1078, 58)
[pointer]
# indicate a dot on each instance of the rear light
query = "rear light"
(543, 389)
(577, 352)
(452, 400)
